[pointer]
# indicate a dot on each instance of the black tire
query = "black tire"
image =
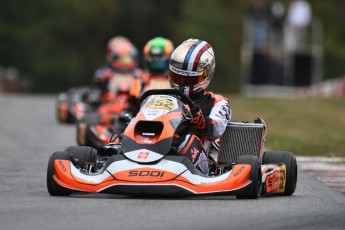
(287, 158)
(83, 154)
(54, 188)
(255, 175)
(63, 119)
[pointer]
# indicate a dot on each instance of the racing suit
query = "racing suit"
(102, 77)
(210, 121)
(106, 74)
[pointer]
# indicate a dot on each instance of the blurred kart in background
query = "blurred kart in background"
(146, 162)
(96, 128)
(73, 104)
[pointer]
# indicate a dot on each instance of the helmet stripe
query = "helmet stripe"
(198, 55)
(189, 54)
(194, 54)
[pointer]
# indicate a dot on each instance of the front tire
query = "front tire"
(83, 154)
(54, 188)
(255, 175)
(287, 158)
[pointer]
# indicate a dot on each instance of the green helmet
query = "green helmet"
(157, 53)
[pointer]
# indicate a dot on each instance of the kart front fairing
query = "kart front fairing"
(149, 136)
(172, 175)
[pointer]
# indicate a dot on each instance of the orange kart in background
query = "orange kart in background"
(95, 129)
(146, 161)
(73, 104)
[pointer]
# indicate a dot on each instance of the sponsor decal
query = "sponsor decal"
(275, 182)
(146, 173)
(239, 171)
(147, 140)
(224, 112)
(184, 72)
(272, 181)
(143, 155)
(62, 166)
(282, 180)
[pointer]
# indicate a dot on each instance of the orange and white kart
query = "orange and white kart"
(146, 161)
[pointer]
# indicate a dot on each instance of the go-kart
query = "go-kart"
(96, 129)
(146, 161)
(73, 104)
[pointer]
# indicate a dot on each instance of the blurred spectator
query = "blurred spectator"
(258, 17)
(277, 11)
(297, 21)
(257, 31)
(276, 49)
(298, 60)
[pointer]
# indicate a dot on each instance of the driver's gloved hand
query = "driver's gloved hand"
(199, 120)
(133, 101)
(126, 117)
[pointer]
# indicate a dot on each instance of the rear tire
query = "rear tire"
(83, 130)
(54, 188)
(287, 158)
(255, 176)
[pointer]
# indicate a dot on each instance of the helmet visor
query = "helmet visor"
(182, 80)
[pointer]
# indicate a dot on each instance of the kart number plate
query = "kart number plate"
(160, 103)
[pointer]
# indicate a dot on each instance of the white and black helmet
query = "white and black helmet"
(191, 67)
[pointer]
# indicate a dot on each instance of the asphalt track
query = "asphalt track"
(29, 134)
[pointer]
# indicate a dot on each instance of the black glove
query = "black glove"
(199, 120)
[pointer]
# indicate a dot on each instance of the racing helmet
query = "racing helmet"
(192, 66)
(122, 55)
(157, 53)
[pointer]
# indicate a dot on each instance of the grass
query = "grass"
(304, 126)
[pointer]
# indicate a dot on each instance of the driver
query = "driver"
(191, 68)
(121, 58)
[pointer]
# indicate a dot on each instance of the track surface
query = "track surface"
(29, 134)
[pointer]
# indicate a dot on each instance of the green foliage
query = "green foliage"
(219, 23)
(60, 43)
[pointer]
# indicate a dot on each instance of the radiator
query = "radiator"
(241, 138)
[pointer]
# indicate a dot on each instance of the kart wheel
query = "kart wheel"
(255, 176)
(54, 188)
(83, 154)
(83, 130)
(287, 158)
(61, 112)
